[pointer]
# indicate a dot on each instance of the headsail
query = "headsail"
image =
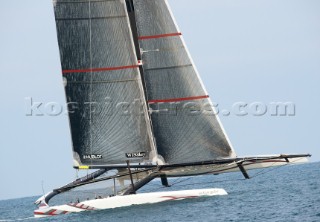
(107, 109)
(185, 125)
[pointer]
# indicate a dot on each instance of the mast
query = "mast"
(134, 31)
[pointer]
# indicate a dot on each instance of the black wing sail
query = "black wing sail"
(186, 130)
(107, 110)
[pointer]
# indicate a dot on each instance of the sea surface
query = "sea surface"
(290, 193)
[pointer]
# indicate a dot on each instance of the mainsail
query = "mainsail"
(107, 107)
(185, 125)
(109, 102)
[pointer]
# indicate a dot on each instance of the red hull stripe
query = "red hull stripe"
(177, 198)
(39, 213)
(177, 99)
(51, 212)
(99, 69)
(159, 36)
(81, 206)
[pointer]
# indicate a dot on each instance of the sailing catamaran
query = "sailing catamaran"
(137, 105)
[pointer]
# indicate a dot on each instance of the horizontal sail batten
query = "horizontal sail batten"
(105, 17)
(82, 1)
(102, 82)
(169, 67)
(100, 69)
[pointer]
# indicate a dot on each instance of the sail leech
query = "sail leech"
(185, 125)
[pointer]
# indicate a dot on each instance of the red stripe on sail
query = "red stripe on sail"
(177, 99)
(159, 36)
(99, 69)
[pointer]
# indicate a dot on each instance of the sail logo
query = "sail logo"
(136, 155)
(92, 156)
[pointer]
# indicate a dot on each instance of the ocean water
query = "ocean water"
(290, 193)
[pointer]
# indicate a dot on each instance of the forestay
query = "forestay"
(184, 123)
(107, 109)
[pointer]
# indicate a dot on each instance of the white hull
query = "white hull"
(124, 201)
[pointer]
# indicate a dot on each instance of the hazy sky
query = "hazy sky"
(246, 51)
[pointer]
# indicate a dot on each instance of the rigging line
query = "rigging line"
(216, 168)
(181, 181)
(87, 192)
(42, 188)
(220, 181)
(91, 74)
(266, 170)
(105, 178)
(173, 184)
(263, 171)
